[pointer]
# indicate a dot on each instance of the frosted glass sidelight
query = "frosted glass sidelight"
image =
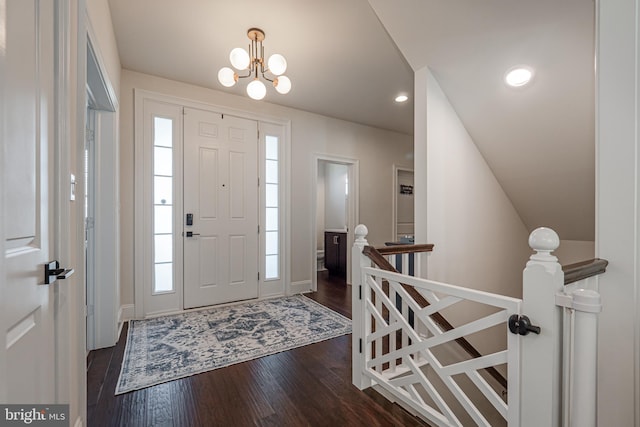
(163, 279)
(271, 243)
(271, 266)
(271, 172)
(162, 219)
(162, 132)
(271, 195)
(162, 161)
(271, 219)
(163, 248)
(271, 147)
(162, 190)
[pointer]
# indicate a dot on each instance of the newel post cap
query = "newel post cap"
(544, 240)
(361, 232)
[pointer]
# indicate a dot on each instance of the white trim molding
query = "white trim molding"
(300, 287)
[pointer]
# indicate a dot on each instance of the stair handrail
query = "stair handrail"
(584, 269)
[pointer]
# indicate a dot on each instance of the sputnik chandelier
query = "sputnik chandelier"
(253, 62)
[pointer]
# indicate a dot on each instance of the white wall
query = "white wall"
(376, 149)
(335, 202)
(101, 26)
(617, 216)
(480, 241)
(572, 251)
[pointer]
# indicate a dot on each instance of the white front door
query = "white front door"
(28, 316)
(221, 195)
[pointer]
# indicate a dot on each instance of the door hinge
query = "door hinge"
(90, 310)
(90, 135)
(258, 276)
(90, 223)
(360, 344)
(258, 228)
(359, 291)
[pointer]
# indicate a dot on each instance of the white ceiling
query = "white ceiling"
(539, 141)
(341, 62)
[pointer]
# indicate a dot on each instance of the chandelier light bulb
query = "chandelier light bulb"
(239, 58)
(256, 90)
(277, 64)
(282, 84)
(227, 77)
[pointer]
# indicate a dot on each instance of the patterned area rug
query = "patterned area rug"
(167, 348)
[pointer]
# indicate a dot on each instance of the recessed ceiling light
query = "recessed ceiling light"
(401, 98)
(518, 76)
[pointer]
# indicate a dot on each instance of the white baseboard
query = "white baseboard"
(126, 312)
(300, 287)
(78, 422)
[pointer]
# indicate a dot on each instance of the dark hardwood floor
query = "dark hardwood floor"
(306, 386)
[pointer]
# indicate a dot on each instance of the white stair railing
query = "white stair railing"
(408, 358)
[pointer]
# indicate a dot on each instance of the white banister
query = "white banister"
(541, 354)
(358, 262)
(551, 373)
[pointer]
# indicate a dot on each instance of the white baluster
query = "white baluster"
(582, 375)
(541, 354)
(359, 321)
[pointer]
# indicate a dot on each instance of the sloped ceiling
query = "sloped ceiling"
(538, 140)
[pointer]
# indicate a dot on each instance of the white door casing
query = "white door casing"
(28, 319)
(221, 191)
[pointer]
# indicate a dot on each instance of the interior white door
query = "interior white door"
(28, 318)
(221, 194)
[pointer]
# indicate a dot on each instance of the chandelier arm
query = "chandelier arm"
(248, 75)
(267, 78)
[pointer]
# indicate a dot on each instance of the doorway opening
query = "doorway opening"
(101, 201)
(335, 217)
(403, 205)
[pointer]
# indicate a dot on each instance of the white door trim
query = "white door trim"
(353, 208)
(140, 95)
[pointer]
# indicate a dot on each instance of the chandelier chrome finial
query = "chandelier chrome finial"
(254, 63)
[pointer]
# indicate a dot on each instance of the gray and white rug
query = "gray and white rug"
(167, 348)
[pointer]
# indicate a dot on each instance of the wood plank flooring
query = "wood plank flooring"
(306, 386)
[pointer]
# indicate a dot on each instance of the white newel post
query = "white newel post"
(358, 260)
(541, 360)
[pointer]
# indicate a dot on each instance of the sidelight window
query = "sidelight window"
(163, 205)
(272, 231)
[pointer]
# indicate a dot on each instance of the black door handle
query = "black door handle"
(53, 272)
(191, 234)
